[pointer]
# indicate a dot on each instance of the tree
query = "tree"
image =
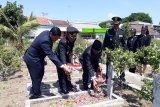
(126, 27)
(138, 16)
(13, 13)
(102, 24)
(105, 24)
(16, 26)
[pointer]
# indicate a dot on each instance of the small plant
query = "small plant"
(150, 55)
(2, 42)
(78, 49)
(121, 59)
(9, 61)
(146, 91)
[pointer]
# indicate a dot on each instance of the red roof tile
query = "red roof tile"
(60, 23)
(44, 21)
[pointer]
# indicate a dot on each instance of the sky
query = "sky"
(88, 10)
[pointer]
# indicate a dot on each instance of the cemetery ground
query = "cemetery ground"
(13, 91)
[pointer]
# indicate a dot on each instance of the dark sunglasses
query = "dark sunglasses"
(74, 35)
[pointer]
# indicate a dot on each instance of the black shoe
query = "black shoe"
(74, 89)
(35, 96)
(64, 92)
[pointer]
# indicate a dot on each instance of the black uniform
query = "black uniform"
(132, 45)
(90, 63)
(64, 53)
(143, 41)
(113, 39)
(34, 59)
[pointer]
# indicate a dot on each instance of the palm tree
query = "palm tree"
(16, 33)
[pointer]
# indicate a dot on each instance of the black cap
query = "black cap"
(116, 20)
(71, 29)
(56, 31)
(97, 45)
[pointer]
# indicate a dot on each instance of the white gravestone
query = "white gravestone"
(110, 81)
(156, 90)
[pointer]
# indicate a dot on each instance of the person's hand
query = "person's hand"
(100, 78)
(67, 70)
(94, 84)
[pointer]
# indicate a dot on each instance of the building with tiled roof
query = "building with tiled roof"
(46, 24)
(138, 25)
(60, 23)
(44, 21)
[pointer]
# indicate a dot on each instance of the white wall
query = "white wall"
(41, 29)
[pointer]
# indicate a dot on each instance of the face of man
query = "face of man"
(96, 51)
(116, 25)
(72, 36)
(54, 37)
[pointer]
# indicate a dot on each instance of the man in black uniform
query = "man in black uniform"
(114, 38)
(64, 52)
(35, 55)
(132, 45)
(91, 61)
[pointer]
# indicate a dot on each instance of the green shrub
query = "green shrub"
(78, 49)
(121, 59)
(150, 55)
(2, 42)
(146, 91)
(9, 61)
(80, 45)
(155, 41)
(55, 44)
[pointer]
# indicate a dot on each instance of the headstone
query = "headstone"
(110, 81)
(156, 90)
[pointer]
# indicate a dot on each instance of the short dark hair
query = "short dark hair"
(97, 45)
(56, 31)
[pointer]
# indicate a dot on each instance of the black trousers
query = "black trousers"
(64, 80)
(133, 70)
(36, 71)
(86, 76)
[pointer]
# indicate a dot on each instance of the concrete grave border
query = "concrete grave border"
(113, 102)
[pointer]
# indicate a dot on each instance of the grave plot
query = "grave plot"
(53, 98)
(78, 99)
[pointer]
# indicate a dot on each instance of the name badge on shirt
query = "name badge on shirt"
(120, 36)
